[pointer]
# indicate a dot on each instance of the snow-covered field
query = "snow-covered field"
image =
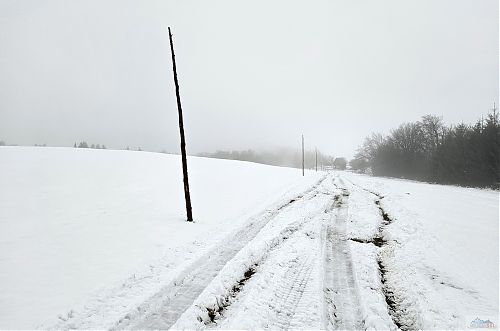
(80, 226)
(95, 239)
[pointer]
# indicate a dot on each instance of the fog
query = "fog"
(254, 74)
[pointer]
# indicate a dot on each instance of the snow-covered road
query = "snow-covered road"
(294, 269)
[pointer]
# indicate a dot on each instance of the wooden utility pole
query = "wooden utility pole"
(494, 113)
(302, 155)
(316, 149)
(187, 196)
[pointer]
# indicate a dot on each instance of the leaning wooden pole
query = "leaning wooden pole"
(187, 196)
(302, 155)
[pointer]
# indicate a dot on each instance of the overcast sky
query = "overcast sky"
(253, 74)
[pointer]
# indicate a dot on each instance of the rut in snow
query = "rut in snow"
(341, 309)
(217, 311)
(391, 294)
(163, 309)
(286, 295)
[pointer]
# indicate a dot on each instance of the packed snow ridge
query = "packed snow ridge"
(95, 239)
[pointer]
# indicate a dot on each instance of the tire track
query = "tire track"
(291, 290)
(217, 312)
(283, 292)
(341, 309)
(393, 298)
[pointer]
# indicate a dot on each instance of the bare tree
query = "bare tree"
(433, 130)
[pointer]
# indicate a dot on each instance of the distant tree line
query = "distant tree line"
(284, 157)
(428, 150)
(3, 143)
(83, 144)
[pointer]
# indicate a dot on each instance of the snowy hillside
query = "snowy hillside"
(76, 223)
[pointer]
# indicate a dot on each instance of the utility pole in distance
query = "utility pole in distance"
(187, 196)
(494, 113)
(316, 149)
(302, 155)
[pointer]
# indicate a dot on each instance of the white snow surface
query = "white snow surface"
(286, 290)
(87, 235)
(441, 253)
(94, 239)
(373, 305)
